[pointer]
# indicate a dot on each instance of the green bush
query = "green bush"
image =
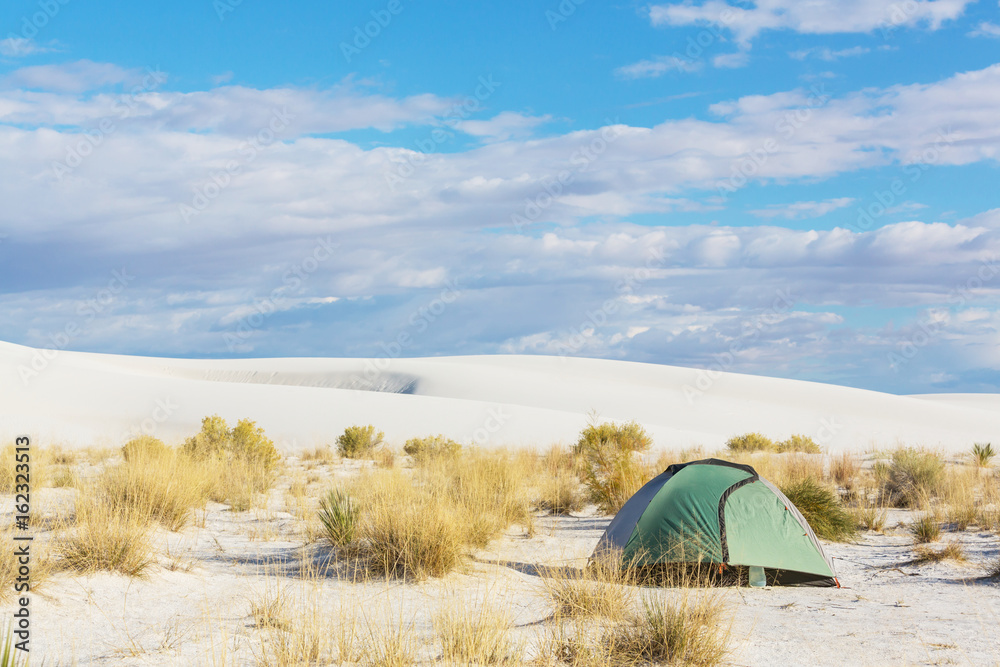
(246, 442)
(821, 508)
(628, 437)
(339, 517)
(926, 528)
(432, 447)
(359, 441)
(750, 442)
(913, 476)
(799, 443)
(144, 447)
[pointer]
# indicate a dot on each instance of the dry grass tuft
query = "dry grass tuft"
(871, 516)
(161, 484)
(480, 637)
(605, 589)
(406, 531)
(108, 535)
(926, 528)
(270, 609)
(690, 631)
(561, 493)
(844, 470)
(951, 551)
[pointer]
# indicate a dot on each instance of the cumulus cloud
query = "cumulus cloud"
(817, 17)
(494, 222)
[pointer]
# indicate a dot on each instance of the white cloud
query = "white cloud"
(816, 17)
(986, 29)
(829, 55)
(731, 60)
(19, 47)
(803, 209)
(224, 77)
(504, 126)
(78, 77)
(658, 66)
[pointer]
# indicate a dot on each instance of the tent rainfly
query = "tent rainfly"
(717, 512)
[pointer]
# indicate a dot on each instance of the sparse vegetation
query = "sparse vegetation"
(844, 470)
(245, 443)
(750, 442)
(871, 516)
(822, 509)
(561, 494)
(359, 441)
(475, 637)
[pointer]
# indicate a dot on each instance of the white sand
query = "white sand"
(79, 399)
(195, 604)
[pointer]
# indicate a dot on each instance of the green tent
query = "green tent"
(720, 513)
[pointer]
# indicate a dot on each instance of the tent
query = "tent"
(720, 513)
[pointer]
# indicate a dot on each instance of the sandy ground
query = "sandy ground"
(193, 608)
(83, 399)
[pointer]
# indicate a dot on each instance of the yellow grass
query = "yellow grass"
(107, 535)
(478, 636)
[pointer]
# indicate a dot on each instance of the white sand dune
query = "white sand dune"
(79, 399)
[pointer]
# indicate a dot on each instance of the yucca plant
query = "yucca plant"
(339, 516)
(982, 453)
(11, 657)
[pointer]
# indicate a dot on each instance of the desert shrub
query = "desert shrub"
(474, 637)
(339, 516)
(689, 631)
(926, 528)
(982, 454)
(358, 441)
(107, 536)
(799, 443)
(627, 437)
(560, 493)
(993, 569)
(612, 476)
(913, 476)
(238, 462)
(431, 447)
(751, 442)
(144, 446)
(822, 509)
(611, 470)
(245, 441)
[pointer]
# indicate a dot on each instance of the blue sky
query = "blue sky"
(804, 190)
